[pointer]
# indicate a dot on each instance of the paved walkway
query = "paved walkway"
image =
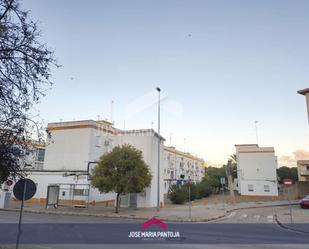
(169, 213)
(299, 216)
(199, 212)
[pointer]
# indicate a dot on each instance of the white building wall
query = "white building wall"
(44, 179)
(68, 149)
(256, 170)
(148, 144)
(72, 148)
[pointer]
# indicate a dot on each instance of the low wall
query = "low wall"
(302, 189)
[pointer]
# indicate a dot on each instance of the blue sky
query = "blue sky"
(221, 65)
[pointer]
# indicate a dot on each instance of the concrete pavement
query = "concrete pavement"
(199, 212)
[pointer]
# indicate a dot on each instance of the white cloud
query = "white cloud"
(291, 160)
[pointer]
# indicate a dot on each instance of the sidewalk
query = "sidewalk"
(299, 217)
(169, 213)
(199, 212)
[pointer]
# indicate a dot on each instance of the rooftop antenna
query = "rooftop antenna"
(171, 139)
(112, 107)
(99, 117)
(184, 145)
(151, 125)
(256, 131)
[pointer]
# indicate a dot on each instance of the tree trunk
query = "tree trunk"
(117, 203)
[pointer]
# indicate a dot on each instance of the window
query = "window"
(266, 188)
(172, 174)
(250, 188)
(307, 167)
(40, 154)
(98, 141)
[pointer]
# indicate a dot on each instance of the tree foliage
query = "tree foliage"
(287, 172)
(179, 194)
(212, 177)
(122, 171)
(25, 65)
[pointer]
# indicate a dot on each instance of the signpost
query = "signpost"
(23, 190)
(287, 182)
(190, 204)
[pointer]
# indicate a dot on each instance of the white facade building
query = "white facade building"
(179, 165)
(256, 170)
(72, 145)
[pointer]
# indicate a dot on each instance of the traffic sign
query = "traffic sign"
(287, 182)
(9, 182)
(24, 189)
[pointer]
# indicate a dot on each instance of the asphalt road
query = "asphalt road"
(252, 215)
(250, 228)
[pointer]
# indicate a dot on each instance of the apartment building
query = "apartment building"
(303, 170)
(181, 166)
(72, 145)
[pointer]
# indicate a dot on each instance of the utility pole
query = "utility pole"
(112, 109)
(159, 143)
(256, 131)
(190, 202)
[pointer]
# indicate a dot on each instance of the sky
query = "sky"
(221, 65)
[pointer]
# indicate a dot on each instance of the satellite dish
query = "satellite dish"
(24, 187)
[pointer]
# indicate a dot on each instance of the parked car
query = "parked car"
(304, 203)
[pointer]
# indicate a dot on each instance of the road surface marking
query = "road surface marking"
(270, 218)
(243, 216)
(231, 215)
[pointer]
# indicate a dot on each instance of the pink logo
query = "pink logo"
(154, 221)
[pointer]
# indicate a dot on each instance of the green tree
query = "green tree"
(287, 172)
(122, 171)
(213, 181)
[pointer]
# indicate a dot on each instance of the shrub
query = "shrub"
(204, 189)
(195, 194)
(178, 194)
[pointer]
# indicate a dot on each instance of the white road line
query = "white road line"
(270, 218)
(231, 215)
(243, 216)
(256, 217)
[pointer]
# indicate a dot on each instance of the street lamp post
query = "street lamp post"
(305, 92)
(159, 143)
